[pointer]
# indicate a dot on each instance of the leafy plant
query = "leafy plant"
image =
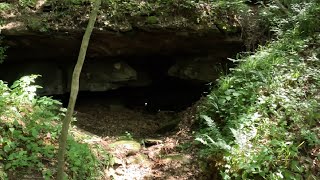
(27, 3)
(29, 131)
(260, 121)
(83, 163)
(5, 6)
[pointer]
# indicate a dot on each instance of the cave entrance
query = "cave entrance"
(150, 109)
(142, 95)
(141, 111)
(169, 94)
(137, 82)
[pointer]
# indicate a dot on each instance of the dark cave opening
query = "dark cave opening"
(147, 110)
(149, 104)
(139, 83)
(162, 92)
(168, 94)
(136, 94)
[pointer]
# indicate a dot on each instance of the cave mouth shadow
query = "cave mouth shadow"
(168, 94)
(148, 105)
(149, 111)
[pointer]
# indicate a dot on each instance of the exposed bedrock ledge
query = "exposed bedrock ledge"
(60, 45)
(198, 68)
(114, 60)
(56, 77)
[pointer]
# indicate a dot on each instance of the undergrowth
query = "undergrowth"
(200, 10)
(262, 120)
(29, 130)
(219, 15)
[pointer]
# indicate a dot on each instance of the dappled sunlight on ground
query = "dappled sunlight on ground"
(149, 155)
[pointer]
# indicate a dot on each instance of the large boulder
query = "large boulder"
(56, 77)
(196, 69)
(103, 76)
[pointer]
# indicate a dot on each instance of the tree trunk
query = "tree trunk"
(75, 89)
(282, 7)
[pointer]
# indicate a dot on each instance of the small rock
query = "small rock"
(119, 171)
(176, 157)
(150, 142)
(140, 159)
(117, 161)
(126, 147)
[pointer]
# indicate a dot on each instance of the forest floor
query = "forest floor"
(144, 145)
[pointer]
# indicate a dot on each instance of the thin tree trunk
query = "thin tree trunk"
(282, 7)
(75, 89)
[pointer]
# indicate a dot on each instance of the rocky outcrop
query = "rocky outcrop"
(132, 47)
(206, 70)
(116, 59)
(54, 29)
(56, 77)
(102, 76)
(64, 46)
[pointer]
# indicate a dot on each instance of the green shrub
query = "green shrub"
(5, 6)
(29, 132)
(83, 163)
(27, 3)
(262, 119)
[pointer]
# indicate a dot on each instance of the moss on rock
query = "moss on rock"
(125, 15)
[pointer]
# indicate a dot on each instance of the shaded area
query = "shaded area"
(142, 111)
(147, 107)
(100, 75)
(106, 44)
(168, 156)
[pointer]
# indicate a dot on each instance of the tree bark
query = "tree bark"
(282, 7)
(75, 89)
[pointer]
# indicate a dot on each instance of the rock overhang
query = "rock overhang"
(38, 37)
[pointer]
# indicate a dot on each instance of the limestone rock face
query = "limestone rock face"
(134, 45)
(135, 58)
(195, 69)
(64, 46)
(56, 77)
(126, 147)
(102, 76)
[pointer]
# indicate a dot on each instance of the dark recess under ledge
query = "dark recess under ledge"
(167, 94)
(152, 71)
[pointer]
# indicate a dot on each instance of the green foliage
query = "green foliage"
(78, 2)
(262, 119)
(126, 136)
(37, 24)
(23, 123)
(83, 162)
(5, 6)
(27, 3)
(307, 21)
(202, 9)
(220, 12)
(29, 131)
(152, 20)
